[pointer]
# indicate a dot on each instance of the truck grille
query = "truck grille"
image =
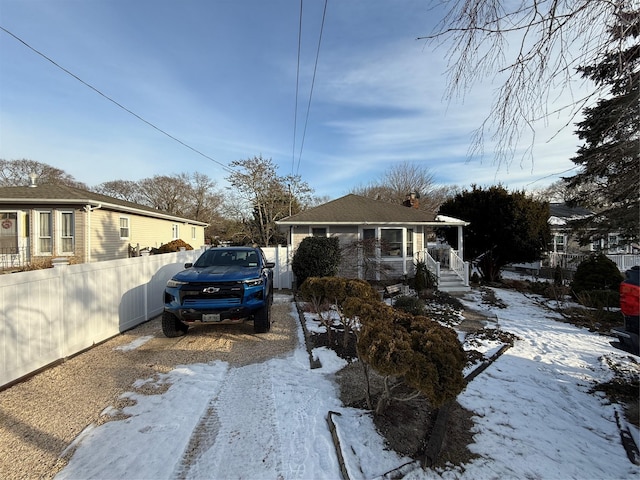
(195, 292)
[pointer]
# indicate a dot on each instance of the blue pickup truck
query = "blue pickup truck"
(224, 285)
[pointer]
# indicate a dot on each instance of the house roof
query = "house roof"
(561, 213)
(357, 210)
(48, 194)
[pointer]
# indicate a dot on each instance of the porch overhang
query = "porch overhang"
(444, 221)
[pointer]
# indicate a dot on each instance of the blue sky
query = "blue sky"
(220, 76)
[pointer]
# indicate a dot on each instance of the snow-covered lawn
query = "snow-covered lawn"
(534, 416)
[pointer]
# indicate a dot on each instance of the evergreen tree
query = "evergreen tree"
(504, 228)
(610, 156)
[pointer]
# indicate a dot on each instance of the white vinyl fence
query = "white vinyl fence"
(48, 315)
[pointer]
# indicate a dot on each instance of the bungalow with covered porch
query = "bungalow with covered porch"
(382, 241)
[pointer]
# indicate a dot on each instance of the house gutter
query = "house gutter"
(87, 239)
(399, 222)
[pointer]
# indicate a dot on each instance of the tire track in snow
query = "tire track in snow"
(238, 431)
(203, 437)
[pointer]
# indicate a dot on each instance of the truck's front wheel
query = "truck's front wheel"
(262, 319)
(172, 326)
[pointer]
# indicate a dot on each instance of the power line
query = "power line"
(295, 110)
(313, 81)
(225, 167)
(552, 175)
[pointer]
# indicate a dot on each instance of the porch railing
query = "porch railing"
(12, 257)
(432, 265)
(459, 266)
(570, 261)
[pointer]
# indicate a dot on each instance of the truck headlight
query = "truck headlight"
(254, 282)
(175, 283)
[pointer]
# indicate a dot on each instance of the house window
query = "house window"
(614, 244)
(66, 232)
(124, 228)
(559, 243)
(319, 232)
(175, 231)
(409, 242)
(8, 233)
(391, 242)
(44, 226)
(193, 233)
(369, 241)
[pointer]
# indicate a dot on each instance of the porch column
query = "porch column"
(460, 250)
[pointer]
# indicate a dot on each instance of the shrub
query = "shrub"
(558, 277)
(424, 354)
(598, 298)
(596, 273)
(173, 246)
(322, 291)
(412, 305)
(424, 279)
(316, 257)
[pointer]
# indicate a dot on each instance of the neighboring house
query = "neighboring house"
(565, 249)
(562, 238)
(564, 241)
(379, 240)
(41, 222)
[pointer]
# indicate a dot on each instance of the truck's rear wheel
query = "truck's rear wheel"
(172, 326)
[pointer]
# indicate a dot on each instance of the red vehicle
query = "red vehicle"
(630, 307)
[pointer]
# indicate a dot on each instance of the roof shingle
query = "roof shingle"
(49, 193)
(354, 209)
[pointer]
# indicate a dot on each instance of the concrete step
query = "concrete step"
(450, 282)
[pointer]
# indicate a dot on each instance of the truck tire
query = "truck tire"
(262, 319)
(171, 326)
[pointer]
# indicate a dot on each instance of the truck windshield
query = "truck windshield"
(227, 258)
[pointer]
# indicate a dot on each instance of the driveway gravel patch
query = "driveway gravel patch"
(40, 417)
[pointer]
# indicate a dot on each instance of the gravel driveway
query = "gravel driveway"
(40, 417)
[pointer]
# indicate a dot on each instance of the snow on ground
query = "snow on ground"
(534, 416)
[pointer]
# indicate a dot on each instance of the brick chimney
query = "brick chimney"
(412, 200)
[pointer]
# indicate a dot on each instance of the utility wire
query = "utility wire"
(552, 175)
(225, 167)
(313, 81)
(295, 111)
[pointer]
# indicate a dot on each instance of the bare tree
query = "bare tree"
(17, 173)
(536, 46)
(126, 190)
(404, 178)
(203, 199)
(560, 192)
(262, 197)
(166, 193)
